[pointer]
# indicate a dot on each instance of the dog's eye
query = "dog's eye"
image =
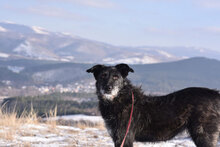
(104, 75)
(115, 77)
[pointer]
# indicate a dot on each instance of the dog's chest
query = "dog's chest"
(112, 115)
(111, 124)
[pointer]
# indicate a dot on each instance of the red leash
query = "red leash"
(129, 123)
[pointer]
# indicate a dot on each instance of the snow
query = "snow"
(3, 55)
(25, 48)
(2, 29)
(28, 49)
(67, 58)
(70, 57)
(40, 30)
(165, 54)
(132, 60)
(81, 117)
(68, 34)
(15, 69)
(42, 134)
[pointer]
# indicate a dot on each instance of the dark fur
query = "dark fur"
(157, 118)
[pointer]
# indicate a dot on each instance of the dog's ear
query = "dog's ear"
(124, 69)
(96, 70)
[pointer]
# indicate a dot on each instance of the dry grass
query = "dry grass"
(11, 124)
(52, 113)
(8, 135)
(27, 144)
(12, 119)
(87, 124)
(82, 124)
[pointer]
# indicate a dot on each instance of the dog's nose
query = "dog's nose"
(108, 88)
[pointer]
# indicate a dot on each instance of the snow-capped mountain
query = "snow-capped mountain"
(20, 41)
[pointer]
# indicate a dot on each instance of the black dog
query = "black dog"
(155, 118)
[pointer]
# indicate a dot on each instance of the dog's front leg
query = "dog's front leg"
(128, 141)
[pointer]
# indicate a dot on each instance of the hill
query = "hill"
(31, 42)
(167, 77)
(154, 78)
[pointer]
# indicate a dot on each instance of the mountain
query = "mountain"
(24, 42)
(154, 78)
(168, 77)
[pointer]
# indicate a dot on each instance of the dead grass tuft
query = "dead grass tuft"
(10, 123)
(52, 114)
(82, 124)
(8, 134)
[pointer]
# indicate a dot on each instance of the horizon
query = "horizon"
(167, 23)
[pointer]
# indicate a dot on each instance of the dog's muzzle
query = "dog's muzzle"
(109, 93)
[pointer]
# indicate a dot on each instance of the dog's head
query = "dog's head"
(110, 79)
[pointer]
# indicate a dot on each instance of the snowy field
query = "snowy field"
(50, 135)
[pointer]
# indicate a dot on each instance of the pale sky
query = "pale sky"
(166, 23)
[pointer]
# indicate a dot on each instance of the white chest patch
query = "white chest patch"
(112, 95)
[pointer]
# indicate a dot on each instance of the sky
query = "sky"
(164, 23)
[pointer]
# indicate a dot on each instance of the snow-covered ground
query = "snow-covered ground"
(43, 134)
(81, 117)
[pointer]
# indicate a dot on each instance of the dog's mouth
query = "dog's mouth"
(109, 94)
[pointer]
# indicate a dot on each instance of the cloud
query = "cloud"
(49, 12)
(201, 3)
(56, 12)
(208, 3)
(161, 31)
(162, 0)
(88, 3)
(96, 3)
(210, 30)
(214, 29)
